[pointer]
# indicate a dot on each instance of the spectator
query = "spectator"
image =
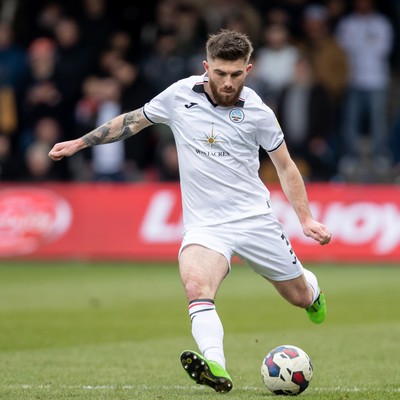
(42, 66)
(8, 111)
(336, 10)
(36, 167)
(47, 19)
(8, 162)
(190, 29)
(13, 67)
(108, 59)
(140, 149)
(165, 53)
(305, 113)
(133, 85)
(108, 161)
(85, 118)
(233, 14)
(41, 94)
(87, 106)
(167, 161)
(294, 9)
(97, 26)
(72, 65)
(278, 15)
(329, 60)
(367, 37)
(13, 59)
(121, 42)
(164, 21)
(275, 62)
(217, 12)
(48, 130)
(100, 103)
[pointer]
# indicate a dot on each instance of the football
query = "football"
(287, 370)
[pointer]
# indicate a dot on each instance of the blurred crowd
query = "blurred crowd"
(329, 70)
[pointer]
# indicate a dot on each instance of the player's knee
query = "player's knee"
(194, 290)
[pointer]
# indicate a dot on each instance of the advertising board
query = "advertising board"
(144, 222)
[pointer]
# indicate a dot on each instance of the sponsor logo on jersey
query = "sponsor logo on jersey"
(236, 115)
(210, 139)
(190, 105)
(213, 153)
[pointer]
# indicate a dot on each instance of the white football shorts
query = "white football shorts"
(259, 241)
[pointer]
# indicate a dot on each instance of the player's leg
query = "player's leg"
(304, 292)
(202, 270)
(268, 251)
(296, 291)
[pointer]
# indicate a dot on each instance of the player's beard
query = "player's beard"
(225, 99)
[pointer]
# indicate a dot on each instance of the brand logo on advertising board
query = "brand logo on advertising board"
(158, 226)
(29, 218)
(372, 225)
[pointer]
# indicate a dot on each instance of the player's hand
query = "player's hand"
(317, 231)
(65, 149)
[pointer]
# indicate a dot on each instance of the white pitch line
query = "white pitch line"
(181, 387)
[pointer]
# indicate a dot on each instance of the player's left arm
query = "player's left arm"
(293, 186)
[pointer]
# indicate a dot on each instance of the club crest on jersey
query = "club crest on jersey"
(236, 115)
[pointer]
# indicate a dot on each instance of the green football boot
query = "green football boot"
(206, 372)
(317, 311)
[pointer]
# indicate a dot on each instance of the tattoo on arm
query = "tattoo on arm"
(119, 128)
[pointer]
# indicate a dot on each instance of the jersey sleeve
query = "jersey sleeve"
(269, 132)
(159, 110)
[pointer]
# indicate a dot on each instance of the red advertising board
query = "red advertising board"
(144, 222)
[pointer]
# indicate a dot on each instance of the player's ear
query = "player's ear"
(248, 68)
(205, 65)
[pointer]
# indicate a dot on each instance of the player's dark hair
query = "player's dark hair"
(229, 46)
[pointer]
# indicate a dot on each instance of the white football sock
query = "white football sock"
(207, 329)
(312, 282)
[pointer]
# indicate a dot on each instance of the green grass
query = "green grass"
(102, 331)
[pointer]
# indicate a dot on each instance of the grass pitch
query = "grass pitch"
(115, 332)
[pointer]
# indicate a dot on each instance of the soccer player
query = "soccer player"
(219, 126)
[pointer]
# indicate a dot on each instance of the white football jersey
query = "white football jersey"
(218, 150)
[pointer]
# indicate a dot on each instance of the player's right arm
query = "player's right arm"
(119, 128)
